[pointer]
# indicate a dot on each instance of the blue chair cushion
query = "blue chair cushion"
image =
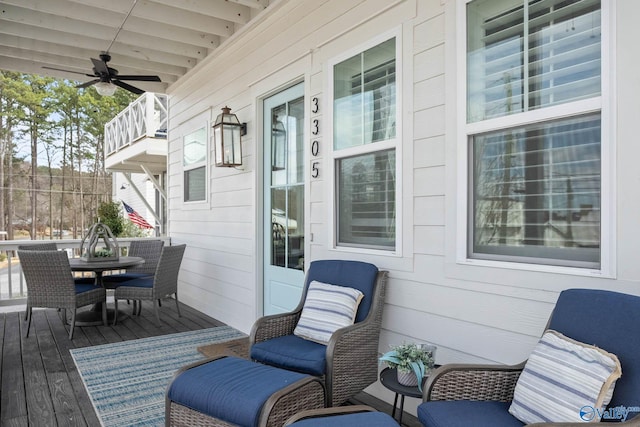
(354, 274)
(123, 277)
(84, 280)
(142, 282)
(292, 352)
(84, 287)
(465, 413)
(230, 389)
(368, 419)
(611, 321)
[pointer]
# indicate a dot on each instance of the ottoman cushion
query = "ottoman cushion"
(230, 389)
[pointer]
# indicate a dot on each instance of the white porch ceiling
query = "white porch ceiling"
(158, 37)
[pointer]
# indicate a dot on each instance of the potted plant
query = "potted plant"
(411, 361)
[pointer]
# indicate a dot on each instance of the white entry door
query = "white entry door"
(283, 199)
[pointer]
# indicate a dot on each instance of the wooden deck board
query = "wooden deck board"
(39, 382)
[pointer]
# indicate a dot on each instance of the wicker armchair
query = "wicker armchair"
(50, 284)
(480, 395)
(349, 362)
(162, 284)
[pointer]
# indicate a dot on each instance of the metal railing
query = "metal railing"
(13, 289)
(147, 116)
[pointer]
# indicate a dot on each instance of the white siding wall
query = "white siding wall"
(473, 314)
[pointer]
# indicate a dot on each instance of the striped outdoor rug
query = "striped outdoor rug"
(127, 381)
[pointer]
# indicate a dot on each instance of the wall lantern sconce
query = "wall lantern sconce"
(227, 132)
(124, 186)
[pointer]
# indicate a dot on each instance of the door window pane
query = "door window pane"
(536, 193)
(366, 191)
(287, 184)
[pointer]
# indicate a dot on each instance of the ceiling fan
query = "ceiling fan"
(107, 77)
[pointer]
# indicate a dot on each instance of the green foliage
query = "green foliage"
(132, 230)
(109, 214)
(410, 357)
(102, 253)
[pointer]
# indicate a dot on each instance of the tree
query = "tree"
(53, 120)
(109, 214)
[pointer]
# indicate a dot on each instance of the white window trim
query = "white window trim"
(190, 127)
(334, 155)
(605, 103)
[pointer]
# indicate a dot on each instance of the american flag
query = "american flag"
(135, 217)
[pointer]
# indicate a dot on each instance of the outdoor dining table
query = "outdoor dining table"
(93, 316)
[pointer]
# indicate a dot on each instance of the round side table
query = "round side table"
(389, 379)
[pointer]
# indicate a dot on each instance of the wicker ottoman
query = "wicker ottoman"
(230, 391)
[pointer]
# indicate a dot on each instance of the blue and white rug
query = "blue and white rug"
(126, 381)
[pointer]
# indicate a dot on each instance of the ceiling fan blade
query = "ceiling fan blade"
(100, 66)
(87, 84)
(67, 71)
(140, 78)
(128, 87)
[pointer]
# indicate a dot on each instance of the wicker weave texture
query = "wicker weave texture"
(470, 384)
(307, 393)
(353, 363)
(48, 246)
(150, 251)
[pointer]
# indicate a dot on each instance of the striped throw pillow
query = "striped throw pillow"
(564, 381)
(326, 309)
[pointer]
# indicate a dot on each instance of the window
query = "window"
(194, 162)
(534, 131)
(364, 142)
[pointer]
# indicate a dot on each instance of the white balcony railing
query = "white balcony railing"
(13, 289)
(147, 117)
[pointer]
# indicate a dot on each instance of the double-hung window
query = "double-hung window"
(533, 127)
(194, 164)
(365, 140)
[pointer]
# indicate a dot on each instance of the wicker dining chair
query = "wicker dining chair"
(52, 246)
(349, 362)
(481, 394)
(149, 250)
(50, 284)
(163, 283)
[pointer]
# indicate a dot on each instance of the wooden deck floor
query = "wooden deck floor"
(40, 385)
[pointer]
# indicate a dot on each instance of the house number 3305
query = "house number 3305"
(315, 144)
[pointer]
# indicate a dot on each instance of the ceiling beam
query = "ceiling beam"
(221, 9)
(66, 57)
(96, 45)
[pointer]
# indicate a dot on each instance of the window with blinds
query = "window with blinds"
(525, 56)
(365, 97)
(365, 144)
(194, 159)
(367, 200)
(537, 192)
(535, 181)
